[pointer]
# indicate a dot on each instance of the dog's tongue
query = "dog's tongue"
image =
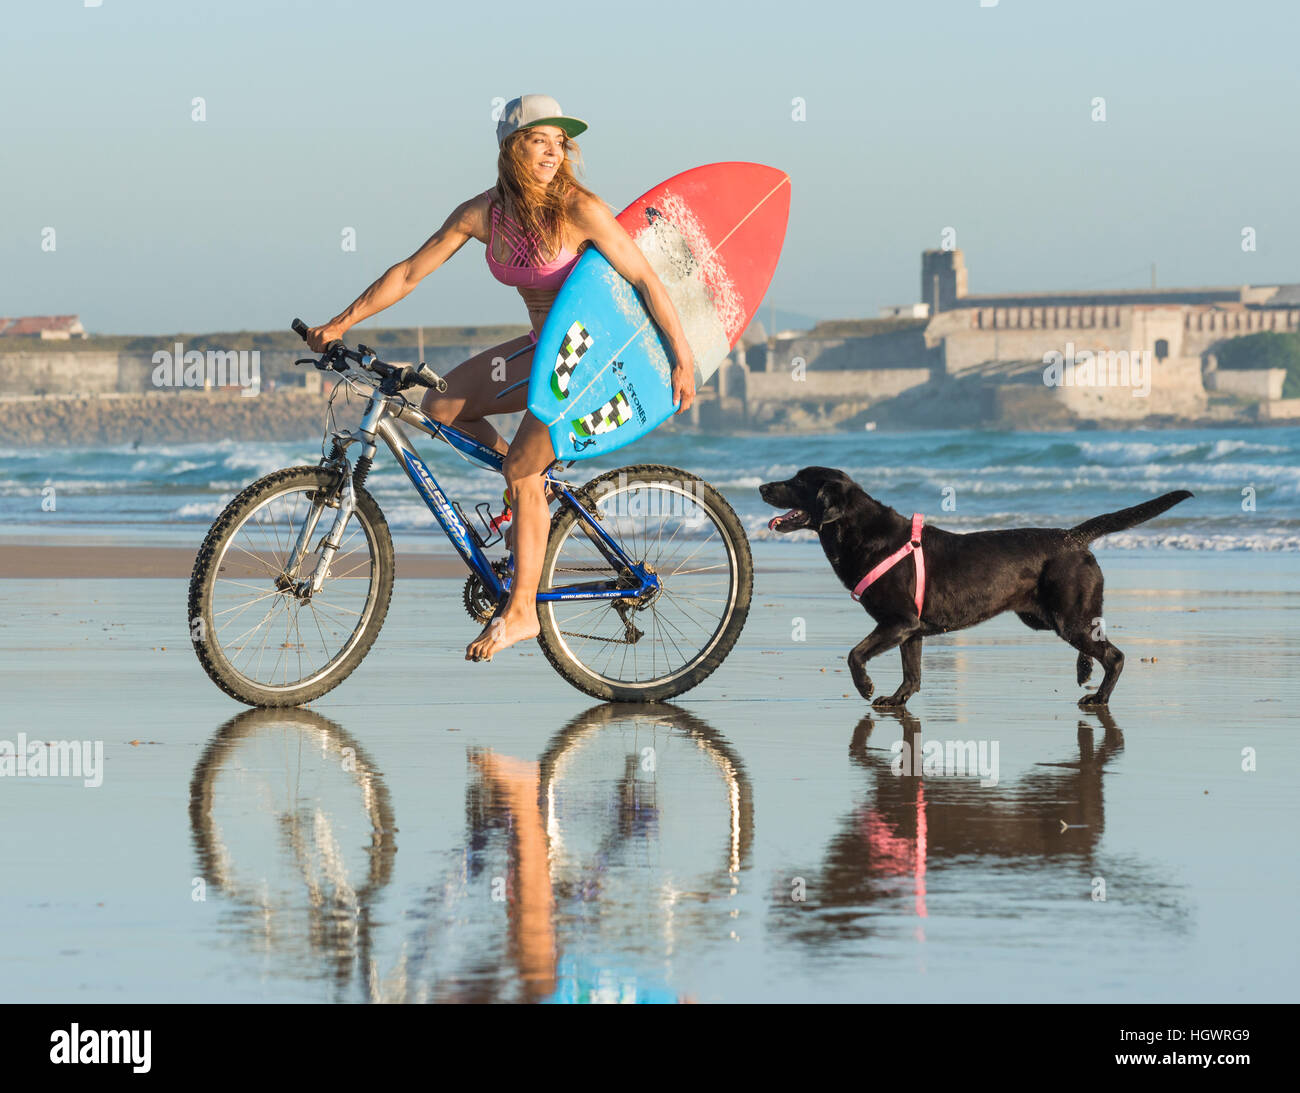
(771, 524)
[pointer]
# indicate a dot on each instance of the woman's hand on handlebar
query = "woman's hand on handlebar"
(318, 337)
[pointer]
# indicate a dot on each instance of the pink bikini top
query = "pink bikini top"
(519, 270)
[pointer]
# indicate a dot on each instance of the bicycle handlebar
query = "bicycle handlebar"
(336, 353)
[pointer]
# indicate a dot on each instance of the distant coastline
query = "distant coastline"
(288, 414)
(970, 367)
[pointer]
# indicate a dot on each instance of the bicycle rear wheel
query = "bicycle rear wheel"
(259, 635)
(649, 649)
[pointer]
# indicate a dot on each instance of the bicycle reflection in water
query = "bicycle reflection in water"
(293, 824)
(582, 877)
(607, 863)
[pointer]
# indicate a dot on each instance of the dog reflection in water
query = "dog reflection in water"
(913, 827)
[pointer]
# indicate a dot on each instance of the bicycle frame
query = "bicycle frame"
(381, 422)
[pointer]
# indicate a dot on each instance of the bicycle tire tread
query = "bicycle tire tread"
(216, 537)
(735, 623)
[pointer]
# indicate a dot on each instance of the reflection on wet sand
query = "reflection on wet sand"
(610, 868)
(888, 850)
(580, 875)
(650, 822)
(293, 825)
(1025, 819)
(633, 826)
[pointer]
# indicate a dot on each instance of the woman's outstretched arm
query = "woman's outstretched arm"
(401, 278)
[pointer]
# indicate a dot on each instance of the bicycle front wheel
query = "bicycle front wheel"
(260, 633)
(647, 650)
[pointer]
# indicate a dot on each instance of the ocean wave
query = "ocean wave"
(1271, 539)
(147, 469)
(210, 509)
(1221, 448)
(9, 488)
(1193, 541)
(411, 516)
(262, 461)
(1185, 474)
(999, 480)
(1130, 451)
(747, 482)
(182, 451)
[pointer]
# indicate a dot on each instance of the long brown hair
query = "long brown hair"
(539, 210)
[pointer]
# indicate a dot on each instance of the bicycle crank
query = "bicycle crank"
(479, 603)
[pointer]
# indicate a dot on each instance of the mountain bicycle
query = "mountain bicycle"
(645, 584)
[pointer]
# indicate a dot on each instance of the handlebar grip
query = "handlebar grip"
(429, 377)
(300, 328)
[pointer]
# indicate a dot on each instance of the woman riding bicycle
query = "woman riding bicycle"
(537, 208)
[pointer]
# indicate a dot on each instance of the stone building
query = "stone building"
(43, 327)
(1125, 356)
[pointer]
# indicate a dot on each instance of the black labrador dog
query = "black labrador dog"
(1047, 576)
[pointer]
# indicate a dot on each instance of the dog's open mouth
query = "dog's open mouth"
(789, 521)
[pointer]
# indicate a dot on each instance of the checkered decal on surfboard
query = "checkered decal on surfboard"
(609, 417)
(576, 342)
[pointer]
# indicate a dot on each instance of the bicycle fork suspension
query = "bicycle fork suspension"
(309, 586)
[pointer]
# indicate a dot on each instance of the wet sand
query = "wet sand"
(36, 561)
(436, 830)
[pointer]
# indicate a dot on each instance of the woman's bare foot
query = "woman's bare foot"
(503, 631)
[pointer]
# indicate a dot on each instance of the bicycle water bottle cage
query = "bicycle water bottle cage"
(491, 524)
(473, 531)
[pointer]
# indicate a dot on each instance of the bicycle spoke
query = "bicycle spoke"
(681, 538)
(284, 651)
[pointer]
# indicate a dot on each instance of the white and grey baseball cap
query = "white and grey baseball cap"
(529, 110)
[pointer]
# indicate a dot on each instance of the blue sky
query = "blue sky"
(376, 115)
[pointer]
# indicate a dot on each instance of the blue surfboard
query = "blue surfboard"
(601, 375)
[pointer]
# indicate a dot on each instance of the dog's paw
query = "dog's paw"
(1092, 702)
(865, 687)
(890, 702)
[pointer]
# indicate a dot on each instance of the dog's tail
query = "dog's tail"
(1126, 518)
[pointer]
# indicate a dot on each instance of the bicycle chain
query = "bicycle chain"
(595, 637)
(474, 591)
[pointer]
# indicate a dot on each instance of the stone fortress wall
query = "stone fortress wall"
(982, 358)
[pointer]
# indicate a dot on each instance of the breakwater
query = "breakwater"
(159, 418)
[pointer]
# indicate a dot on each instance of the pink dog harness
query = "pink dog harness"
(913, 546)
